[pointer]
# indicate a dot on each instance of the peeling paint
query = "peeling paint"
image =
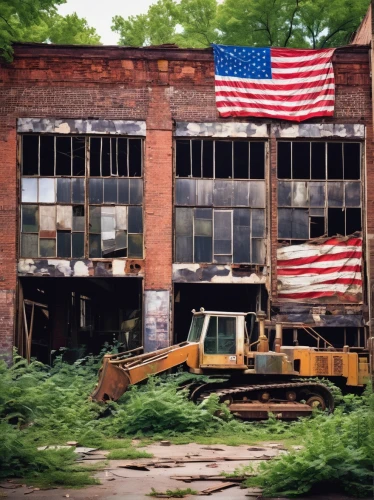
(79, 268)
(212, 273)
(218, 129)
(294, 320)
(71, 126)
(318, 130)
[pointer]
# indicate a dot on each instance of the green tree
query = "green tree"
(280, 23)
(17, 14)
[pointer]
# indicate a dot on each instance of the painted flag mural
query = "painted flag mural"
(328, 270)
(288, 84)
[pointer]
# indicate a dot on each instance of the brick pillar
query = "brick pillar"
(8, 238)
(158, 217)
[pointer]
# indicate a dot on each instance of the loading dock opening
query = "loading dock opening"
(81, 314)
(214, 297)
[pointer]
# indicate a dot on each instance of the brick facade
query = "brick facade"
(157, 85)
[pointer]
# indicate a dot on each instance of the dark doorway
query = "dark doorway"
(81, 314)
(213, 297)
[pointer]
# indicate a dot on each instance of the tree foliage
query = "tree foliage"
(38, 21)
(282, 23)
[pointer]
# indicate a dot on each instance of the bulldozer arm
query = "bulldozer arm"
(118, 371)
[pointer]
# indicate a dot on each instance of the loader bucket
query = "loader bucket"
(113, 382)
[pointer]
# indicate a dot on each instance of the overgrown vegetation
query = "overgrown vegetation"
(178, 493)
(40, 405)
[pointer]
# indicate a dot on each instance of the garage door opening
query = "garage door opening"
(214, 297)
(80, 314)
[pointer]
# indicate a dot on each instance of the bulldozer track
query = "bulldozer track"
(199, 391)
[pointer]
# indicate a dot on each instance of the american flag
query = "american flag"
(330, 270)
(290, 84)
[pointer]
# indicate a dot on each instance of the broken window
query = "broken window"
(220, 236)
(68, 213)
(220, 159)
(319, 189)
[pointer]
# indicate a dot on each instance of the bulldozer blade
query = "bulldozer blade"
(113, 382)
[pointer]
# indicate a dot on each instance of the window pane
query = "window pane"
(300, 224)
(78, 245)
(47, 155)
(203, 249)
(95, 156)
(317, 194)
(284, 160)
(47, 247)
(135, 249)
(105, 157)
(183, 249)
(211, 338)
(110, 190)
(353, 220)
(352, 161)
(113, 141)
(203, 227)
(95, 246)
(223, 160)
(184, 221)
(284, 193)
(258, 251)
(183, 167)
(47, 218)
(30, 155)
(108, 242)
(335, 221)
(63, 156)
(257, 194)
(207, 158)
(108, 219)
(30, 219)
(335, 194)
(78, 218)
(96, 190)
(79, 155)
(122, 157)
(135, 157)
(352, 194)
(95, 220)
(318, 160)
(284, 225)
(301, 160)
(241, 236)
(299, 194)
(121, 241)
(334, 160)
(77, 190)
(257, 160)
(29, 245)
(185, 192)
(64, 190)
(136, 191)
(205, 193)
(135, 221)
(121, 218)
(258, 223)
(222, 193)
(123, 191)
(196, 158)
(241, 194)
(47, 193)
(64, 244)
(241, 160)
(29, 190)
(222, 232)
(64, 216)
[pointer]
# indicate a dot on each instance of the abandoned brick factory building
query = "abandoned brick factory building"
(126, 201)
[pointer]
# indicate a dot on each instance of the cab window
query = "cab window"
(196, 327)
(221, 336)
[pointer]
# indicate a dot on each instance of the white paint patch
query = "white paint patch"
(80, 269)
(118, 267)
(62, 265)
(26, 266)
(63, 128)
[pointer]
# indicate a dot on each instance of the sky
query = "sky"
(99, 13)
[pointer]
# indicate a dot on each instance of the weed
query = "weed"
(178, 493)
(128, 453)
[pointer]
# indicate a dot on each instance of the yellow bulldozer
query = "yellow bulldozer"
(257, 380)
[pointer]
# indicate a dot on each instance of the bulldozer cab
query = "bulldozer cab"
(221, 339)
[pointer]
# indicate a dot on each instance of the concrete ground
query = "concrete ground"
(121, 483)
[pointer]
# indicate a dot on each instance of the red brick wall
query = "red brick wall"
(146, 84)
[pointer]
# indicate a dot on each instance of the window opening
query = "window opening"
(221, 336)
(196, 328)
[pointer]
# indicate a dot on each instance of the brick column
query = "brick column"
(8, 238)
(158, 217)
